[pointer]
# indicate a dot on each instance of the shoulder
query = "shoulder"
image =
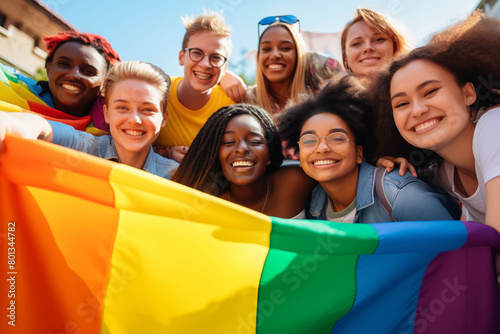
(164, 167)
(219, 97)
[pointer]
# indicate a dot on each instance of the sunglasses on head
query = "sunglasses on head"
(290, 19)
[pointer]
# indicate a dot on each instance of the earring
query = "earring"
(269, 162)
(468, 101)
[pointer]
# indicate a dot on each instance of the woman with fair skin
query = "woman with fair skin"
(135, 109)
(332, 134)
(369, 41)
(237, 156)
(449, 105)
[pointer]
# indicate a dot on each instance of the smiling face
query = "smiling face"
(135, 116)
(429, 107)
(277, 54)
(76, 74)
(366, 49)
(244, 153)
(202, 76)
(323, 164)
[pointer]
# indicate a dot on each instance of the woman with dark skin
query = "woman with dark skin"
(237, 156)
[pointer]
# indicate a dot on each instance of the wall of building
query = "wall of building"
(25, 23)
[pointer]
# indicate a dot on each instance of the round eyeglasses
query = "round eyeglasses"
(197, 55)
(336, 141)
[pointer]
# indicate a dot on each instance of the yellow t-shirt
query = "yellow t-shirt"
(183, 124)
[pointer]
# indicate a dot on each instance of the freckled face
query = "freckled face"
(366, 49)
(244, 152)
(429, 107)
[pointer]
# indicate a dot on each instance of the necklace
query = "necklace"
(265, 201)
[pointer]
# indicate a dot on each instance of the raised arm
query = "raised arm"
(25, 125)
(234, 86)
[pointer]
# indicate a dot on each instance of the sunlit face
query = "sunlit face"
(76, 74)
(277, 54)
(202, 76)
(366, 49)
(135, 116)
(323, 164)
(429, 107)
(244, 153)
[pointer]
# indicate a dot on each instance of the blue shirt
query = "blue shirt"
(411, 199)
(104, 147)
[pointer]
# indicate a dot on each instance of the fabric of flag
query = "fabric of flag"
(92, 246)
(19, 93)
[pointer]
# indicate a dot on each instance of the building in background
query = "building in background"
(23, 24)
(490, 7)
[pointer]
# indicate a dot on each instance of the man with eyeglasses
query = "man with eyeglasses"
(206, 49)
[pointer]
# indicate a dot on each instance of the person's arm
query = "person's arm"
(234, 86)
(176, 153)
(25, 125)
(418, 201)
(492, 201)
(390, 162)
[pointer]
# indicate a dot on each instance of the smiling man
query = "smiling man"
(205, 51)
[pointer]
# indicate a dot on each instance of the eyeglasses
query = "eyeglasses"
(197, 55)
(336, 141)
(290, 19)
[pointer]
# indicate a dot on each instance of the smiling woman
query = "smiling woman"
(369, 41)
(237, 156)
(332, 132)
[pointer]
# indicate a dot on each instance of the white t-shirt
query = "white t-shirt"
(486, 149)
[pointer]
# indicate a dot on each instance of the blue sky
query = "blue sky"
(151, 30)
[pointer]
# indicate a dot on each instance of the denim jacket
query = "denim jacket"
(412, 199)
(104, 147)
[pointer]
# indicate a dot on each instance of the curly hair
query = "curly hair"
(469, 51)
(201, 169)
(343, 96)
(377, 22)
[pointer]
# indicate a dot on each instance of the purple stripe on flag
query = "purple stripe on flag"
(459, 293)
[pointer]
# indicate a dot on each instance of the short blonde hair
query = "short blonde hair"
(138, 70)
(377, 22)
(298, 87)
(211, 22)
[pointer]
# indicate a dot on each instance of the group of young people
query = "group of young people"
(385, 104)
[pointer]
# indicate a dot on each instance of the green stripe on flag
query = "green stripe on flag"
(309, 277)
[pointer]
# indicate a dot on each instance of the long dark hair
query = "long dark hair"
(201, 169)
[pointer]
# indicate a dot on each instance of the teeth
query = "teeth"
(370, 60)
(134, 132)
(242, 164)
(425, 125)
(71, 87)
(203, 76)
(323, 162)
(272, 66)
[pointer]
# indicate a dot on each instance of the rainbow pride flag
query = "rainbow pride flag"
(91, 246)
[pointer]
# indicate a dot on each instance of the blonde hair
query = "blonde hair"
(298, 88)
(138, 70)
(377, 22)
(211, 22)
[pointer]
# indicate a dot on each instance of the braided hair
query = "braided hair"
(201, 169)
